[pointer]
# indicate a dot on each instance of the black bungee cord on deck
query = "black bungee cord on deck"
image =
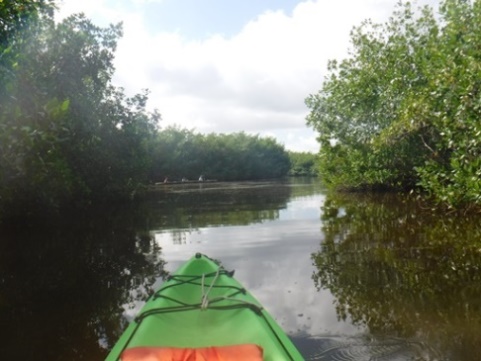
(205, 303)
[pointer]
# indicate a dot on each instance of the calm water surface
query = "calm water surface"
(349, 277)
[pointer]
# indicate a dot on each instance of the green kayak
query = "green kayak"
(202, 310)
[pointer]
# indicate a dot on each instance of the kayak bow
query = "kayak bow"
(201, 312)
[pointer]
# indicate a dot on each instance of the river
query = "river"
(348, 277)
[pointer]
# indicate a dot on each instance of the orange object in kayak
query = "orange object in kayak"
(222, 353)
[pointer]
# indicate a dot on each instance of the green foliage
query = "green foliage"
(303, 164)
(68, 136)
(16, 18)
(403, 110)
(183, 153)
(66, 133)
(18, 15)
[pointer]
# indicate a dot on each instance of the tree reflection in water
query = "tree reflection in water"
(210, 205)
(65, 284)
(404, 272)
(68, 285)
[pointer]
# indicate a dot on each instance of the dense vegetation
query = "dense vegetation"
(183, 153)
(303, 164)
(69, 136)
(67, 133)
(403, 110)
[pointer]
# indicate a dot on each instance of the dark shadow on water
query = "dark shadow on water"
(217, 204)
(64, 284)
(67, 281)
(403, 272)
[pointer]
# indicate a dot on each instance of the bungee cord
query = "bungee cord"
(227, 301)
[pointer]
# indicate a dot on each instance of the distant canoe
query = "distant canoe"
(186, 182)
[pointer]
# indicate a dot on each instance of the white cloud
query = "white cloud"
(255, 81)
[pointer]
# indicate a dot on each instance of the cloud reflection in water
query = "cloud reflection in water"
(272, 260)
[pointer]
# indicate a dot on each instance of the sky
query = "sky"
(232, 65)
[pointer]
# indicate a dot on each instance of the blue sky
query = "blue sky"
(200, 19)
(232, 65)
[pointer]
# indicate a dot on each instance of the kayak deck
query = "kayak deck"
(202, 305)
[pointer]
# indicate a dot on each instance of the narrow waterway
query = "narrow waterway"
(348, 277)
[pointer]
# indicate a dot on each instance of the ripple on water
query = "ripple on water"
(339, 348)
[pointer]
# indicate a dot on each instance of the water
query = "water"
(271, 256)
(349, 277)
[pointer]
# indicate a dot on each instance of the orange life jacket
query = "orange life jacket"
(246, 352)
